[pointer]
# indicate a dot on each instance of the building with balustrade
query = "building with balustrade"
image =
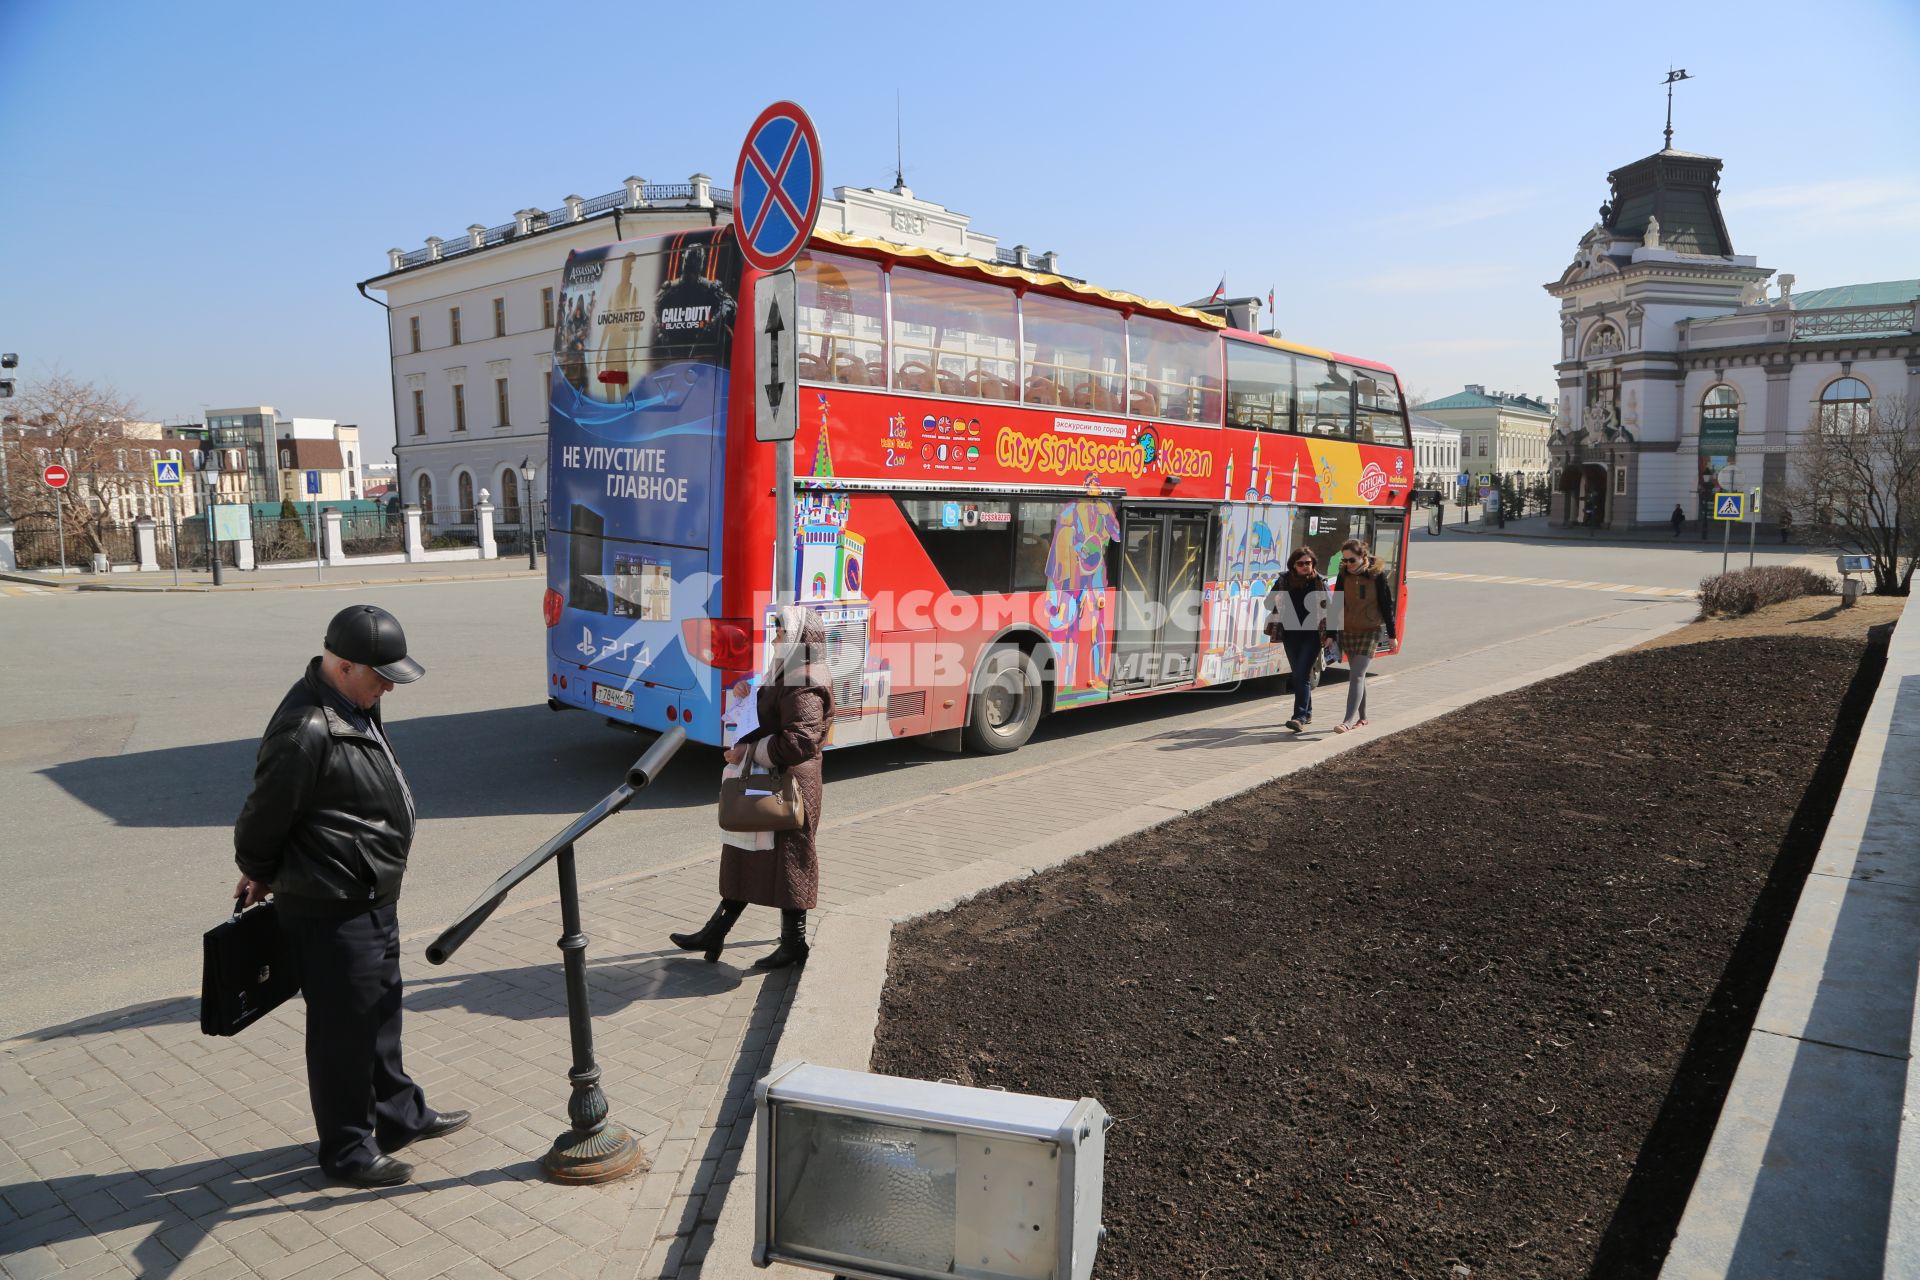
(1502, 433)
(1677, 361)
(470, 322)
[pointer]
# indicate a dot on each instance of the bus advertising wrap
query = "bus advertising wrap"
(635, 429)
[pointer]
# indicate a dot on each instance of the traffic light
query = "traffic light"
(6, 388)
(9, 361)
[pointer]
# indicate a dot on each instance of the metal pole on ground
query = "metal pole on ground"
(213, 542)
(60, 529)
(1753, 523)
(1726, 539)
(594, 1149)
(173, 524)
(319, 551)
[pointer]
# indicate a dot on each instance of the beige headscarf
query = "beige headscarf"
(800, 658)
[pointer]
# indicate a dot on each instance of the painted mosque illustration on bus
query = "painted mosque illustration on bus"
(1076, 610)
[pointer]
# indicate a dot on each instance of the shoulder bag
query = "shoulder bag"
(762, 802)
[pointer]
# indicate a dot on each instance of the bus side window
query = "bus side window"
(1074, 354)
(838, 328)
(969, 540)
(956, 334)
(1259, 388)
(1326, 397)
(1174, 365)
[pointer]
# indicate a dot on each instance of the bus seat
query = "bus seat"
(849, 369)
(1143, 403)
(950, 384)
(913, 375)
(1044, 390)
(810, 367)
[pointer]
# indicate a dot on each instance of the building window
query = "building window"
(500, 400)
(419, 412)
(499, 317)
(453, 320)
(466, 497)
(459, 407)
(413, 331)
(1845, 405)
(547, 394)
(1483, 446)
(546, 307)
(423, 489)
(509, 496)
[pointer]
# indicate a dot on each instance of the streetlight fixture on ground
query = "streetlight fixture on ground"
(526, 475)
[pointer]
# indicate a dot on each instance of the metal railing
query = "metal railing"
(1839, 321)
(594, 1149)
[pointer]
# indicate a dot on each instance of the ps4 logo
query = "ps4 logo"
(593, 649)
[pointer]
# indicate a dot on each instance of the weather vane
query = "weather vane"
(1673, 78)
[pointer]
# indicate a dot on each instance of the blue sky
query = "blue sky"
(193, 189)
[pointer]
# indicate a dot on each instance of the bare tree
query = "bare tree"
(1856, 473)
(83, 427)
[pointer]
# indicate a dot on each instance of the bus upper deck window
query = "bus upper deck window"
(953, 336)
(839, 334)
(1175, 373)
(1074, 353)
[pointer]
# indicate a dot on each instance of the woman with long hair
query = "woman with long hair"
(1297, 619)
(1366, 613)
(778, 869)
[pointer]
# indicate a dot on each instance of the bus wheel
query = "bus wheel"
(1006, 701)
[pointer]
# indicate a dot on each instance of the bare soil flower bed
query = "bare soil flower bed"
(1465, 1001)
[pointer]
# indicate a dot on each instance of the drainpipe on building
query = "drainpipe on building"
(399, 473)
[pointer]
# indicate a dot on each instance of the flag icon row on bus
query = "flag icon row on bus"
(1729, 506)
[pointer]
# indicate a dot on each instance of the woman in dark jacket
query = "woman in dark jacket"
(779, 869)
(1366, 613)
(1297, 619)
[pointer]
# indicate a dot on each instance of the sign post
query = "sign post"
(313, 527)
(166, 475)
(1728, 509)
(56, 478)
(1753, 522)
(776, 201)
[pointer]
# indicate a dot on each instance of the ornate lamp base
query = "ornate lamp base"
(605, 1156)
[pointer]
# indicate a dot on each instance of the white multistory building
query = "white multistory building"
(1436, 453)
(1677, 361)
(470, 324)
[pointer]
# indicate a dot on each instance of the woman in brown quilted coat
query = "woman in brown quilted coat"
(779, 869)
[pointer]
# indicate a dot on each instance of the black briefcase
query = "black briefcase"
(245, 972)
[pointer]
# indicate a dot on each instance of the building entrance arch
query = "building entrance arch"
(1585, 492)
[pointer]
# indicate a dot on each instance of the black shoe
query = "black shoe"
(385, 1171)
(442, 1124)
(1295, 724)
(713, 935)
(793, 948)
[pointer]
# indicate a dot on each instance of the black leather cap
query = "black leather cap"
(370, 636)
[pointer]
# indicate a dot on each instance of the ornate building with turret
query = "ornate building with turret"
(1677, 362)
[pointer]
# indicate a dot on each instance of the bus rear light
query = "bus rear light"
(718, 642)
(672, 714)
(550, 605)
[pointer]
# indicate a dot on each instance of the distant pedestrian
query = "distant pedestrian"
(1366, 613)
(1297, 620)
(1786, 526)
(327, 830)
(781, 869)
(1678, 519)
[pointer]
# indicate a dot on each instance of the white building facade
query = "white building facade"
(1676, 362)
(470, 326)
(1436, 454)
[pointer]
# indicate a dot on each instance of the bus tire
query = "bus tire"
(1006, 701)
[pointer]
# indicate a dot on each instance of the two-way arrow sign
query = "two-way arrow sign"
(776, 414)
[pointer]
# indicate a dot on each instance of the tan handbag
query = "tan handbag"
(781, 809)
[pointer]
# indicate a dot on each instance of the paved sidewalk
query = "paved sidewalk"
(133, 1145)
(271, 579)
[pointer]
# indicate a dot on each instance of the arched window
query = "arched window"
(509, 496)
(1604, 340)
(466, 497)
(1719, 436)
(423, 487)
(1845, 405)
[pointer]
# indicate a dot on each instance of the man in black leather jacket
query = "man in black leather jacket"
(327, 829)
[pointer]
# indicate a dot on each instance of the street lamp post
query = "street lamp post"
(526, 476)
(212, 473)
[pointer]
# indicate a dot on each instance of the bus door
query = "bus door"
(1162, 563)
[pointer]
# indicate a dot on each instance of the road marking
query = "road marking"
(1565, 584)
(24, 591)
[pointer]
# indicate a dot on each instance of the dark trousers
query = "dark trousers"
(1302, 648)
(350, 975)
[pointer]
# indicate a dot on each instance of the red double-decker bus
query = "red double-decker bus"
(1015, 493)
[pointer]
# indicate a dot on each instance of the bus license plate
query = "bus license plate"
(607, 696)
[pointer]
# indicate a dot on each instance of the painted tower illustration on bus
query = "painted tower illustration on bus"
(831, 558)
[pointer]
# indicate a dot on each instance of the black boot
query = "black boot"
(793, 947)
(713, 935)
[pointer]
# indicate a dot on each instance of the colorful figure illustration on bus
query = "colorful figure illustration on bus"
(1076, 601)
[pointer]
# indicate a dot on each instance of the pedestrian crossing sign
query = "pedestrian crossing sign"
(1729, 506)
(166, 472)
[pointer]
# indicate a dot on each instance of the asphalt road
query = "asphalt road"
(128, 724)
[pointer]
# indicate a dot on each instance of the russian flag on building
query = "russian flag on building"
(1219, 290)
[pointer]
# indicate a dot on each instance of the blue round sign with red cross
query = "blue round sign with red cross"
(776, 187)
